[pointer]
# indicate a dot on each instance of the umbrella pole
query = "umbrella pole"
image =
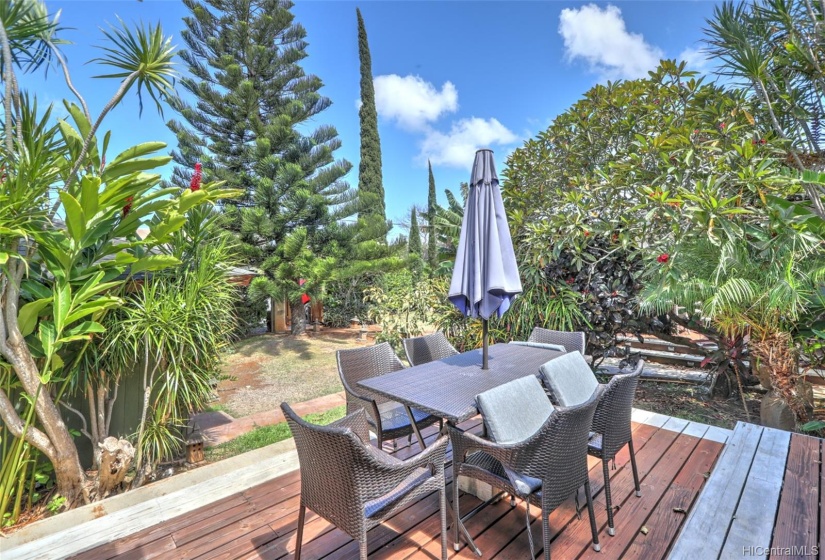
(485, 344)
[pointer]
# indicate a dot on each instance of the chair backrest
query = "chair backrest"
(557, 454)
(328, 456)
(357, 364)
(569, 379)
(572, 341)
(514, 411)
(612, 418)
(428, 348)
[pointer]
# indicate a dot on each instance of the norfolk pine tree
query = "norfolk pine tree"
(243, 61)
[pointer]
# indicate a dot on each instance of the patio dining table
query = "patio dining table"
(447, 388)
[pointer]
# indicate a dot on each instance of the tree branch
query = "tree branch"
(84, 429)
(18, 428)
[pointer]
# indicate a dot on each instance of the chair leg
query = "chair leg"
(545, 532)
(456, 514)
(607, 498)
(362, 547)
(442, 505)
(301, 516)
(596, 546)
(633, 465)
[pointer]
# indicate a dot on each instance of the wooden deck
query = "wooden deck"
(674, 458)
(764, 496)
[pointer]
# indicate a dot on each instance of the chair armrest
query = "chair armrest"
(357, 422)
(381, 475)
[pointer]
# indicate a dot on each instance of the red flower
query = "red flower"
(128, 206)
(195, 184)
(722, 126)
(695, 131)
(663, 258)
(570, 280)
(586, 233)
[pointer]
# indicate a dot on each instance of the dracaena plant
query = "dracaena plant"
(64, 259)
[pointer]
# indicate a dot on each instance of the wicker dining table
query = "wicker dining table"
(447, 388)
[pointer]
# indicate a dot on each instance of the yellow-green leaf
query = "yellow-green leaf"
(27, 316)
(75, 218)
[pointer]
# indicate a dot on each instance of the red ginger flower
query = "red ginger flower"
(128, 206)
(195, 184)
(663, 258)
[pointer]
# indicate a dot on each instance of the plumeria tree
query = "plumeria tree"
(64, 259)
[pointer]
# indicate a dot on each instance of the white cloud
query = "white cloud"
(457, 147)
(600, 37)
(696, 59)
(412, 102)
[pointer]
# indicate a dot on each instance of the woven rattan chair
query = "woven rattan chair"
(545, 469)
(428, 348)
(612, 430)
(388, 418)
(354, 486)
(570, 340)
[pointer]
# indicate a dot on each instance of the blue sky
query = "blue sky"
(450, 76)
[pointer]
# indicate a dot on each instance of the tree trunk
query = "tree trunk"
(776, 354)
(298, 321)
(114, 457)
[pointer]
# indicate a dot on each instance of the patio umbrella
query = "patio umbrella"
(485, 275)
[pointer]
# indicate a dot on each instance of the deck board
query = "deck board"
(664, 521)
(755, 515)
(707, 524)
(797, 524)
(674, 459)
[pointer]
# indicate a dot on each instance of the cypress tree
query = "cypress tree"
(248, 128)
(415, 235)
(432, 252)
(370, 181)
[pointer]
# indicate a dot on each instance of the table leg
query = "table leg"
(415, 427)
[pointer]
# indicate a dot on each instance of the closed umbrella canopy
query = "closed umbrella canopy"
(485, 276)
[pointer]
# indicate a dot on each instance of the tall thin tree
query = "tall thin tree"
(432, 205)
(370, 180)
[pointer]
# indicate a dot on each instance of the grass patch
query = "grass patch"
(267, 435)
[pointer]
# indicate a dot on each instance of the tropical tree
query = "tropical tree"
(58, 278)
(772, 48)
(634, 164)
(248, 127)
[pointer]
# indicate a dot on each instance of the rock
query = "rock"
(775, 413)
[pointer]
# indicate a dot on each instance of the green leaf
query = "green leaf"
(168, 226)
(47, 336)
(83, 331)
(189, 199)
(91, 307)
(4, 257)
(144, 164)
(75, 220)
(138, 151)
(27, 316)
(89, 197)
(62, 304)
(154, 262)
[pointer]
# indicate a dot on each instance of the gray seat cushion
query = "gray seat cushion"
(514, 411)
(569, 378)
(556, 347)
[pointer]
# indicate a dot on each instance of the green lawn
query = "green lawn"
(267, 435)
